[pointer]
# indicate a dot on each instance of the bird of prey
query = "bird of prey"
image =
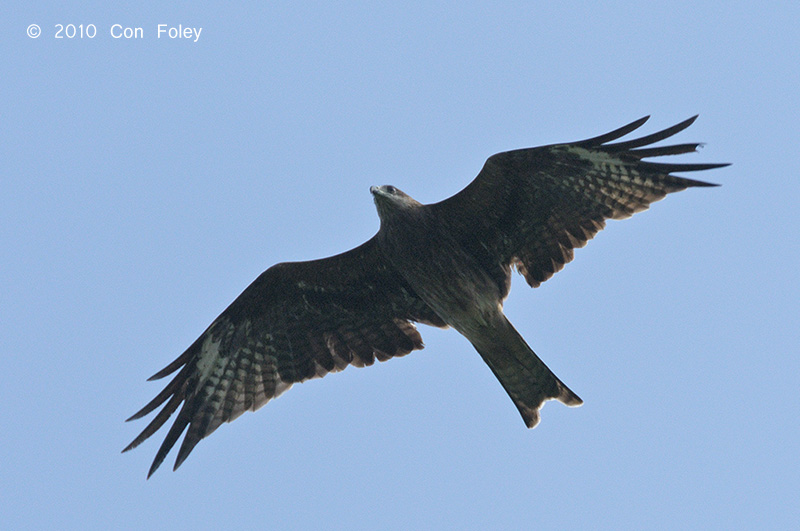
(446, 264)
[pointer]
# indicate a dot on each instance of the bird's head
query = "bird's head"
(389, 198)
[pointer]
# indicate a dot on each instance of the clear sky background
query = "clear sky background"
(146, 183)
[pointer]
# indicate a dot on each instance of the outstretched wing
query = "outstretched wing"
(531, 207)
(296, 321)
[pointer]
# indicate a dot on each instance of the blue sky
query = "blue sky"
(147, 182)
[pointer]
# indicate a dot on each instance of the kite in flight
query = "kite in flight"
(443, 264)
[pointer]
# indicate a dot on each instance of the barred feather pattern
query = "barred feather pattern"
(531, 208)
(286, 328)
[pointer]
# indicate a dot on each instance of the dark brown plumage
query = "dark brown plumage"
(445, 264)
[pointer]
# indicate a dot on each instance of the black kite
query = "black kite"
(444, 264)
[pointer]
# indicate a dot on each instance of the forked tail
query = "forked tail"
(526, 379)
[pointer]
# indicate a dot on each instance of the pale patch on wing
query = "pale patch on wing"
(209, 356)
(600, 159)
(613, 182)
(606, 164)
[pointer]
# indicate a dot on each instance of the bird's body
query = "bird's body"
(444, 264)
(466, 295)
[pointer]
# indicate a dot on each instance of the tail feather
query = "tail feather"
(525, 377)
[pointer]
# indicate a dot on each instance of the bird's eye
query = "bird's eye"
(391, 189)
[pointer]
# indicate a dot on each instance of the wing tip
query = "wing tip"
(128, 448)
(689, 121)
(629, 128)
(156, 463)
(663, 167)
(615, 134)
